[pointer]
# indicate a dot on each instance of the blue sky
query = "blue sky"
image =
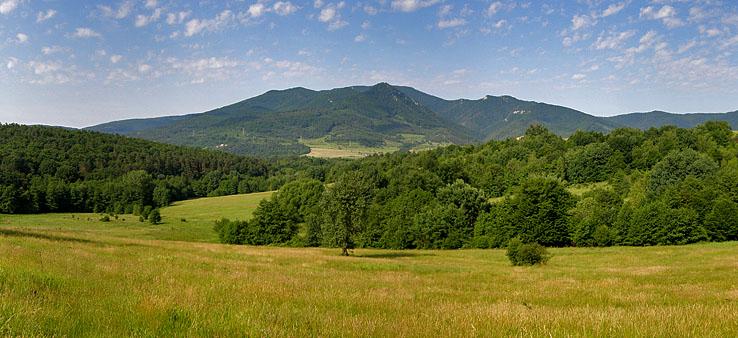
(78, 63)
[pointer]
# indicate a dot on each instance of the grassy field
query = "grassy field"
(73, 277)
(320, 147)
(183, 221)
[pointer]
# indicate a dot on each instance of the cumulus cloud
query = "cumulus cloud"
(21, 38)
(284, 8)
(450, 23)
(53, 50)
(581, 21)
(613, 9)
(667, 14)
(493, 8)
(411, 5)
(197, 26)
(115, 58)
(613, 40)
(84, 33)
(579, 77)
(331, 15)
(360, 38)
(43, 16)
(120, 13)
(12, 63)
(8, 6)
(176, 18)
(143, 20)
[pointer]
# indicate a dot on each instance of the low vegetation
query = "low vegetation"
(68, 281)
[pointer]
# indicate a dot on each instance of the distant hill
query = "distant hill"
(379, 117)
(661, 118)
(500, 117)
(274, 123)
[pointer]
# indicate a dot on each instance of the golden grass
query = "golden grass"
(72, 283)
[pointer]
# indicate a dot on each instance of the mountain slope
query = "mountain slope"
(273, 123)
(500, 117)
(661, 118)
(379, 117)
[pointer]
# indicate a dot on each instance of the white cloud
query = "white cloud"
(579, 77)
(115, 58)
(284, 8)
(175, 18)
(493, 8)
(43, 16)
(667, 14)
(445, 10)
(613, 9)
(411, 5)
(360, 38)
(53, 49)
(581, 21)
(256, 10)
(143, 20)
(21, 38)
(151, 3)
(8, 6)
(500, 24)
(122, 12)
(450, 23)
(327, 14)
(196, 26)
(614, 40)
(370, 10)
(318, 3)
(710, 32)
(144, 68)
(12, 63)
(366, 24)
(330, 14)
(84, 33)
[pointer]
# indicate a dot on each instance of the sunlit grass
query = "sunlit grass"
(64, 276)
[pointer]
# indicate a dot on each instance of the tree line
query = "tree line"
(628, 187)
(46, 169)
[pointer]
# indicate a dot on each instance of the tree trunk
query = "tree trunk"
(345, 252)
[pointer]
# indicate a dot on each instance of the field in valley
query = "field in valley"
(81, 277)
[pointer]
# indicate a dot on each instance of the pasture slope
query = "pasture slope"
(64, 276)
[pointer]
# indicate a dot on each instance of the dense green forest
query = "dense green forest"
(654, 187)
(45, 169)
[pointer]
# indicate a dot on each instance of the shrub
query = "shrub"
(231, 232)
(154, 217)
(521, 253)
(105, 218)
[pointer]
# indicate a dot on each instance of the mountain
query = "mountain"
(660, 118)
(500, 117)
(379, 117)
(275, 122)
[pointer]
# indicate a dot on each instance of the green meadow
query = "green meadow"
(65, 276)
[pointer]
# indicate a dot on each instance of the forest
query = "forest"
(47, 169)
(661, 186)
(657, 187)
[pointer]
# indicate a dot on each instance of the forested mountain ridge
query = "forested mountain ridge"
(279, 122)
(273, 123)
(47, 169)
(655, 119)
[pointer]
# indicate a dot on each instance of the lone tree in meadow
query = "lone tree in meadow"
(345, 207)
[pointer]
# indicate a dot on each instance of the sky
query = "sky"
(80, 63)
